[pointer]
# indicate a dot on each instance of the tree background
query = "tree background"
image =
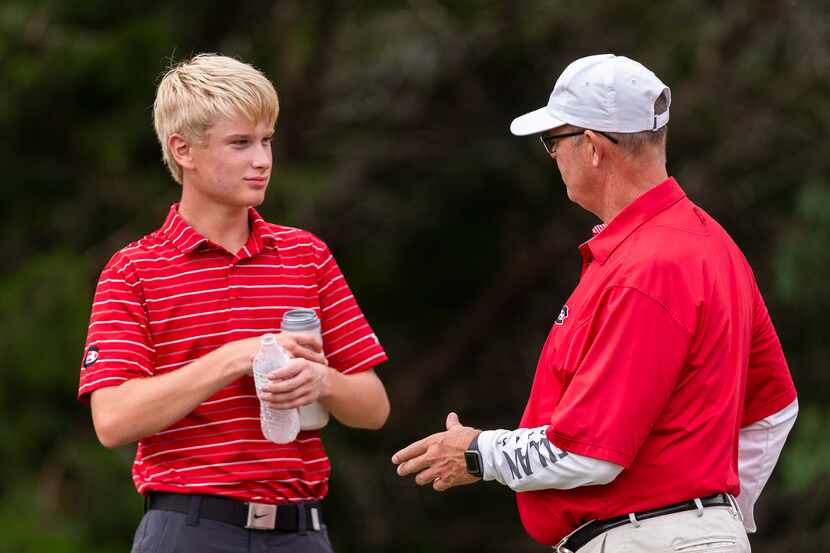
(393, 146)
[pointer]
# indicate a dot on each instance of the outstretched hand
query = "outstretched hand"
(439, 459)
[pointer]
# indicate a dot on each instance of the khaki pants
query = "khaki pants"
(712, 530)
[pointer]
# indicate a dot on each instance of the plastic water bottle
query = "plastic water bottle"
(278, 425)
(312, 416)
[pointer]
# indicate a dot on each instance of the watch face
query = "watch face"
(473, 459)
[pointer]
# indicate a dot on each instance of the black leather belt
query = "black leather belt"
(586, 533)
(293, 517)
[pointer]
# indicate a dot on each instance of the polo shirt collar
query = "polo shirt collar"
(187, 239)
(261, 234)
(638, 212)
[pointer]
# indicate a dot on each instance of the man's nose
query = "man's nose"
(263, 157)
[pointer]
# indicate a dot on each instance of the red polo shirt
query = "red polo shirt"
(173, 296)
(661, 353)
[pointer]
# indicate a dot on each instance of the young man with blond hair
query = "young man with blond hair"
(178, 316)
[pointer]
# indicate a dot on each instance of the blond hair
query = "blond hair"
(194, 94)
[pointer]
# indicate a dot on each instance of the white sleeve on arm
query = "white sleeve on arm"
(759, 446)
(525, 460)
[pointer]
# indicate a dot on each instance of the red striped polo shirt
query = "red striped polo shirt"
(173, 296)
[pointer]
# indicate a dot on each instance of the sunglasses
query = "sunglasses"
(549, 141)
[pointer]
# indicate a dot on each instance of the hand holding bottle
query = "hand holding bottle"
(298, 383)
(280, 425)
(305, 324)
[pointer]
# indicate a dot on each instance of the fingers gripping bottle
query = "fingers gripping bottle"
(278, 425)
(312, 416)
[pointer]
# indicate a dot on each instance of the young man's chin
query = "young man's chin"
(253, 198)
(257, 202)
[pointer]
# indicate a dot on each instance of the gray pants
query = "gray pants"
(169, 532)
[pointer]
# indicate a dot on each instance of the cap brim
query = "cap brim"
(534, 122)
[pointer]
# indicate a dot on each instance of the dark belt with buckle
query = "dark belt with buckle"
(292, 517)
(572, 542)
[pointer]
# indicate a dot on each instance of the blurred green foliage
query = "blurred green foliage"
(392, 145)
(808, 451)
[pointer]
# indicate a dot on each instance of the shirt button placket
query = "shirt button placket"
(232, 295)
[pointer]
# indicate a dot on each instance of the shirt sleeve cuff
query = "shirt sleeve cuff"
(486, 446)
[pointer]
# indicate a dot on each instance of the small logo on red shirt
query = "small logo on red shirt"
(91, 356)
(560, 320)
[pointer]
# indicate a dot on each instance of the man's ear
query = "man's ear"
(181, 149)
(597, 148)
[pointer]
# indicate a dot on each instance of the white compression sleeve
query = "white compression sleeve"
(526, 460)
(759, 446)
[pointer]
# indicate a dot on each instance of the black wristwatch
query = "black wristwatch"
(473, 458)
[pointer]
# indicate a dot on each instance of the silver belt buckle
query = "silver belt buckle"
(261, 516)
(560, 547)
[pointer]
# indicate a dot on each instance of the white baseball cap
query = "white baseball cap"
(602, 93)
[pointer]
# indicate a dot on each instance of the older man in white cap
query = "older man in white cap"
(662, 378)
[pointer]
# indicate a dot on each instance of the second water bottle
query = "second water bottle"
(278, 425)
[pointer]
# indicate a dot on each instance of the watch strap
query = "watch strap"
(472, 456)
